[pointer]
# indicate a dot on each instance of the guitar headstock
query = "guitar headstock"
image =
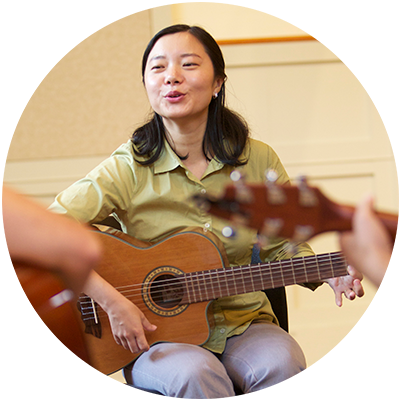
(298, 212)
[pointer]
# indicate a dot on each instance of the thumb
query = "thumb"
(148, 326)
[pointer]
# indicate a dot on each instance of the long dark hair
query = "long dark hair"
(226, 132)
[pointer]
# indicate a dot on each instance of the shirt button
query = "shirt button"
(222, 331)
(207, 225)
(203, 190)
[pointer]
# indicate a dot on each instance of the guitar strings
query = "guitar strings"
(249, 273)
(88, 312)
(296, 264)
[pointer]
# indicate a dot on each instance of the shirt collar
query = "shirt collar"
(169, 161)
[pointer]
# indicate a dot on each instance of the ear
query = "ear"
(218, 84)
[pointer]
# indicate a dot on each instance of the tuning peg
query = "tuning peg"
(272, 227)
(243, 193)
(303, 233)
(236, 176)
(271, 175)
(228, 232)
(307, 197)
(275, 194)
(262, 241)
(291, 249)
(301, 180)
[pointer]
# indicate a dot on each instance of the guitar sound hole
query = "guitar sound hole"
(166, 291)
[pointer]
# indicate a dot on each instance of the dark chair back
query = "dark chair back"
(277, 296)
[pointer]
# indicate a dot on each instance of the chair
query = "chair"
(277, 297)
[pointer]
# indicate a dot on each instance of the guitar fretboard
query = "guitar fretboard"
(212, 284)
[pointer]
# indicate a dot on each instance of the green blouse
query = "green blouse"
(152, 202)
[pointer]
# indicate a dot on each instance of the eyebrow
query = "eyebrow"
(162, 57)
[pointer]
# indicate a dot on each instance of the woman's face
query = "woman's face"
(179, 78)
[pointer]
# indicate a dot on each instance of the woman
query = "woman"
(191, 145)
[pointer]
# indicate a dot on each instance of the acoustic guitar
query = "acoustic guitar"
(43, 351)
(173, 283)
(298, 212)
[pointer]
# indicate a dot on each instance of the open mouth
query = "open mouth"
(174, 95)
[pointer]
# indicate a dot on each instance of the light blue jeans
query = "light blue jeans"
(262, 356)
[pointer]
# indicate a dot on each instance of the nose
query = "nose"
(173, 76)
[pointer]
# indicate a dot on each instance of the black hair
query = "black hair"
(226, 132)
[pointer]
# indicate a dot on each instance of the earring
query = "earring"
(215, 95)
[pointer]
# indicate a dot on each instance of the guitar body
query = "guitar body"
(43, 351)
(173, 283)
(133, 267)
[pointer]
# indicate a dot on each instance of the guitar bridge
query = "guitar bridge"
(89, 315)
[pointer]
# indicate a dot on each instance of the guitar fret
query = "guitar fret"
(234, 280)
(198, 286)
(283, 279)
(237, 283)
(261, 275)
(219, 283)
(301, 272)
(331, 265)
(187, 289)
(251, 278)
(211, 284)
(205, 287)
(319, 273)
(230, 272)
(272, 279)
(193, 290)
(243, 279)
(256, 278)
(294, 277)
(305, 270)
(250, 284)
(226, 282)
(265, 269)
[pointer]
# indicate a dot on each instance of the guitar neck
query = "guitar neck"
(211, 284)
(341, 219)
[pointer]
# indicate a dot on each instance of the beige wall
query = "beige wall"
(90, 101)
(298, 97)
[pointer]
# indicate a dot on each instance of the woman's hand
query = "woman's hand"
(350, 286)
(128, 325)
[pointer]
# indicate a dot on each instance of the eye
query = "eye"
(190, 64)
(157, 67)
